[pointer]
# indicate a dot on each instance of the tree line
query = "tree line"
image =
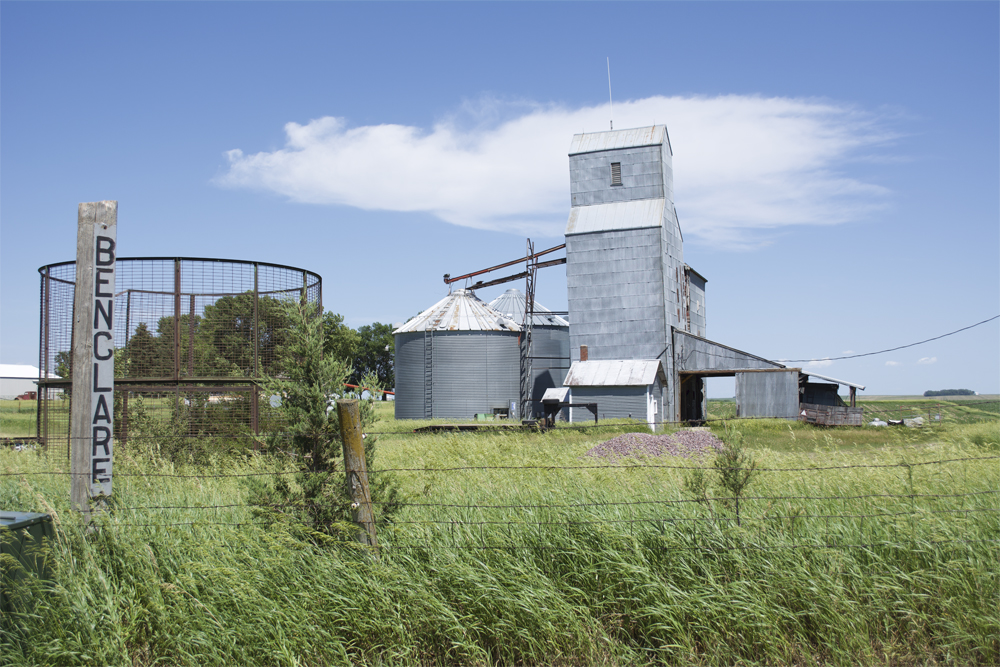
(219, 342)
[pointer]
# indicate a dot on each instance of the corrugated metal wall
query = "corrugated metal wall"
(409, 366)
(590, 176)
(696, 305)
(455, 374)
(697, 354)
(548, 373)
(615, 291)
(768, 394)
(612, 402)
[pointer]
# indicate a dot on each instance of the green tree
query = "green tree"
(315, 496)
(339, 340)
(64, 364)
(146, 355)
(375, 354)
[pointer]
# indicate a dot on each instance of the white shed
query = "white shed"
(622, 389)
(16, 379)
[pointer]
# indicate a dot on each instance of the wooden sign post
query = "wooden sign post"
(92, 417)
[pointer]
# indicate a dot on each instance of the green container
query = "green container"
(22, 535)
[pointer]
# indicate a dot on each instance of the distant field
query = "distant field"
(17, 419)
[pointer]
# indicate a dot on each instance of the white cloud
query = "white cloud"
(817, 363)
(741, 164)
(848, 352)
(893, 363)
(927, 360)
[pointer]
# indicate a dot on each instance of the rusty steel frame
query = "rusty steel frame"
(148, 273)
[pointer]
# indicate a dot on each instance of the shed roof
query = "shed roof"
(461, 310)
(634, 214)
(22, 372)
(614, 373)
(511, 305)
(830, 379)
(592, 142)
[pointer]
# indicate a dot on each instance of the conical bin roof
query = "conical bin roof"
(512, 303)
(461, 310)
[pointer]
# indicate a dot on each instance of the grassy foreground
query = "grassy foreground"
(527, 552)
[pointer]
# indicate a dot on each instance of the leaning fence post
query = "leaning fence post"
(355, 471)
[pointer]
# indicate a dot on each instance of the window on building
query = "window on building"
(616, 173)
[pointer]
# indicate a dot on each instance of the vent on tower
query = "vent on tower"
(616, 173)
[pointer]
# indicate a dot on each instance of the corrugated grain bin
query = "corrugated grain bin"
(549, 344)
(22, 556)
(457, 359)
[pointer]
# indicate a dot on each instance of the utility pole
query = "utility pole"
(92, 420)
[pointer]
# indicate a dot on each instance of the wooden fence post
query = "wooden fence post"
(356, 471)
(92, 406)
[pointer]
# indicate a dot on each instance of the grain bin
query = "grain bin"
(549, 343)
(457, 359)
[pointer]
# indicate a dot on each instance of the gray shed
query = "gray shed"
(622, 389)
(457, 359)
(549, 343)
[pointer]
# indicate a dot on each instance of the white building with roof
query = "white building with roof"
(17, 379)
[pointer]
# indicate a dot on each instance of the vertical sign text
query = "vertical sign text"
(102, 397)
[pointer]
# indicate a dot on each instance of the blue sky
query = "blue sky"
(836, 165)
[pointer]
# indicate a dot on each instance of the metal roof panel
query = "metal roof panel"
(830, 379)
(604, 141)
(511, 304)
(635, 214)
(461, 310)
(613, 373)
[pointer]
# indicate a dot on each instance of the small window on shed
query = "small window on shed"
(616, 173)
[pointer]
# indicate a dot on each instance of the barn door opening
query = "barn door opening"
(692, 398)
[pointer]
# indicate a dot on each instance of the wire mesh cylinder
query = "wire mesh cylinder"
(192, 339)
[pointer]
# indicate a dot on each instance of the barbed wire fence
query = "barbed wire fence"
(558, 508)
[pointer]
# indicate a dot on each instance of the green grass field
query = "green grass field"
(854, 546)
(17, 419)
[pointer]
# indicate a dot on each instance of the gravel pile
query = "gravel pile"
(688, 443)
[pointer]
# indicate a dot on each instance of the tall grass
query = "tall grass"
(581, 561)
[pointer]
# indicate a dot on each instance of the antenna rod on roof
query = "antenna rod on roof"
(611, 101)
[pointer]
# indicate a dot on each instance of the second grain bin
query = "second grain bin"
(457, 359)
(549, 344)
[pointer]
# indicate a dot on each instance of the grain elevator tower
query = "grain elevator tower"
(625, 268)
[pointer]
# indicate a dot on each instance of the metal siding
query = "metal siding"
(624, 287)
(590, 176)
(768, 394)
(547, 373)
(503, 370)
(612, 402)
(459, 374)
(471, 372)
(699, 317)
(409, 367)
(615, 286)
(697, 354)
